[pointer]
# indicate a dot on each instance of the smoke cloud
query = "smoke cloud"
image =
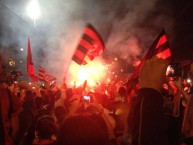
(128, 27)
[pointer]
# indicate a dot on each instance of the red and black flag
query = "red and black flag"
(46, 76)
(159, 48)
(30, 65)
(90, 46)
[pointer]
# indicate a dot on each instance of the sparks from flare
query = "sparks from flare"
(94, 72)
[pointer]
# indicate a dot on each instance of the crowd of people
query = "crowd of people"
(159, 112)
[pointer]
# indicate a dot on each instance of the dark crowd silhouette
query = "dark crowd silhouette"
(156, 111)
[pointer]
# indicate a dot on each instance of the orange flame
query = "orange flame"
(94, 72)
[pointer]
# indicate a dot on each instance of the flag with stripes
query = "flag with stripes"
(159, 48)
(90, 46)
(46, 76)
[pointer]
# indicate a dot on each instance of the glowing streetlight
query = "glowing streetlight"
(33, 10)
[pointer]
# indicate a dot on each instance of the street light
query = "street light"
(33, 10)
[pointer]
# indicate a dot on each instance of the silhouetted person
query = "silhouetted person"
(82, 130)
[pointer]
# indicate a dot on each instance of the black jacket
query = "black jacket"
(146, 122)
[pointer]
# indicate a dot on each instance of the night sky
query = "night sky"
(128, 28)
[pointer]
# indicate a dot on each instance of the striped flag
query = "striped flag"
(90, 46)
(160, 48)
(46, 76)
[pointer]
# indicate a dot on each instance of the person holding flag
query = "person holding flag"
(146, 122)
